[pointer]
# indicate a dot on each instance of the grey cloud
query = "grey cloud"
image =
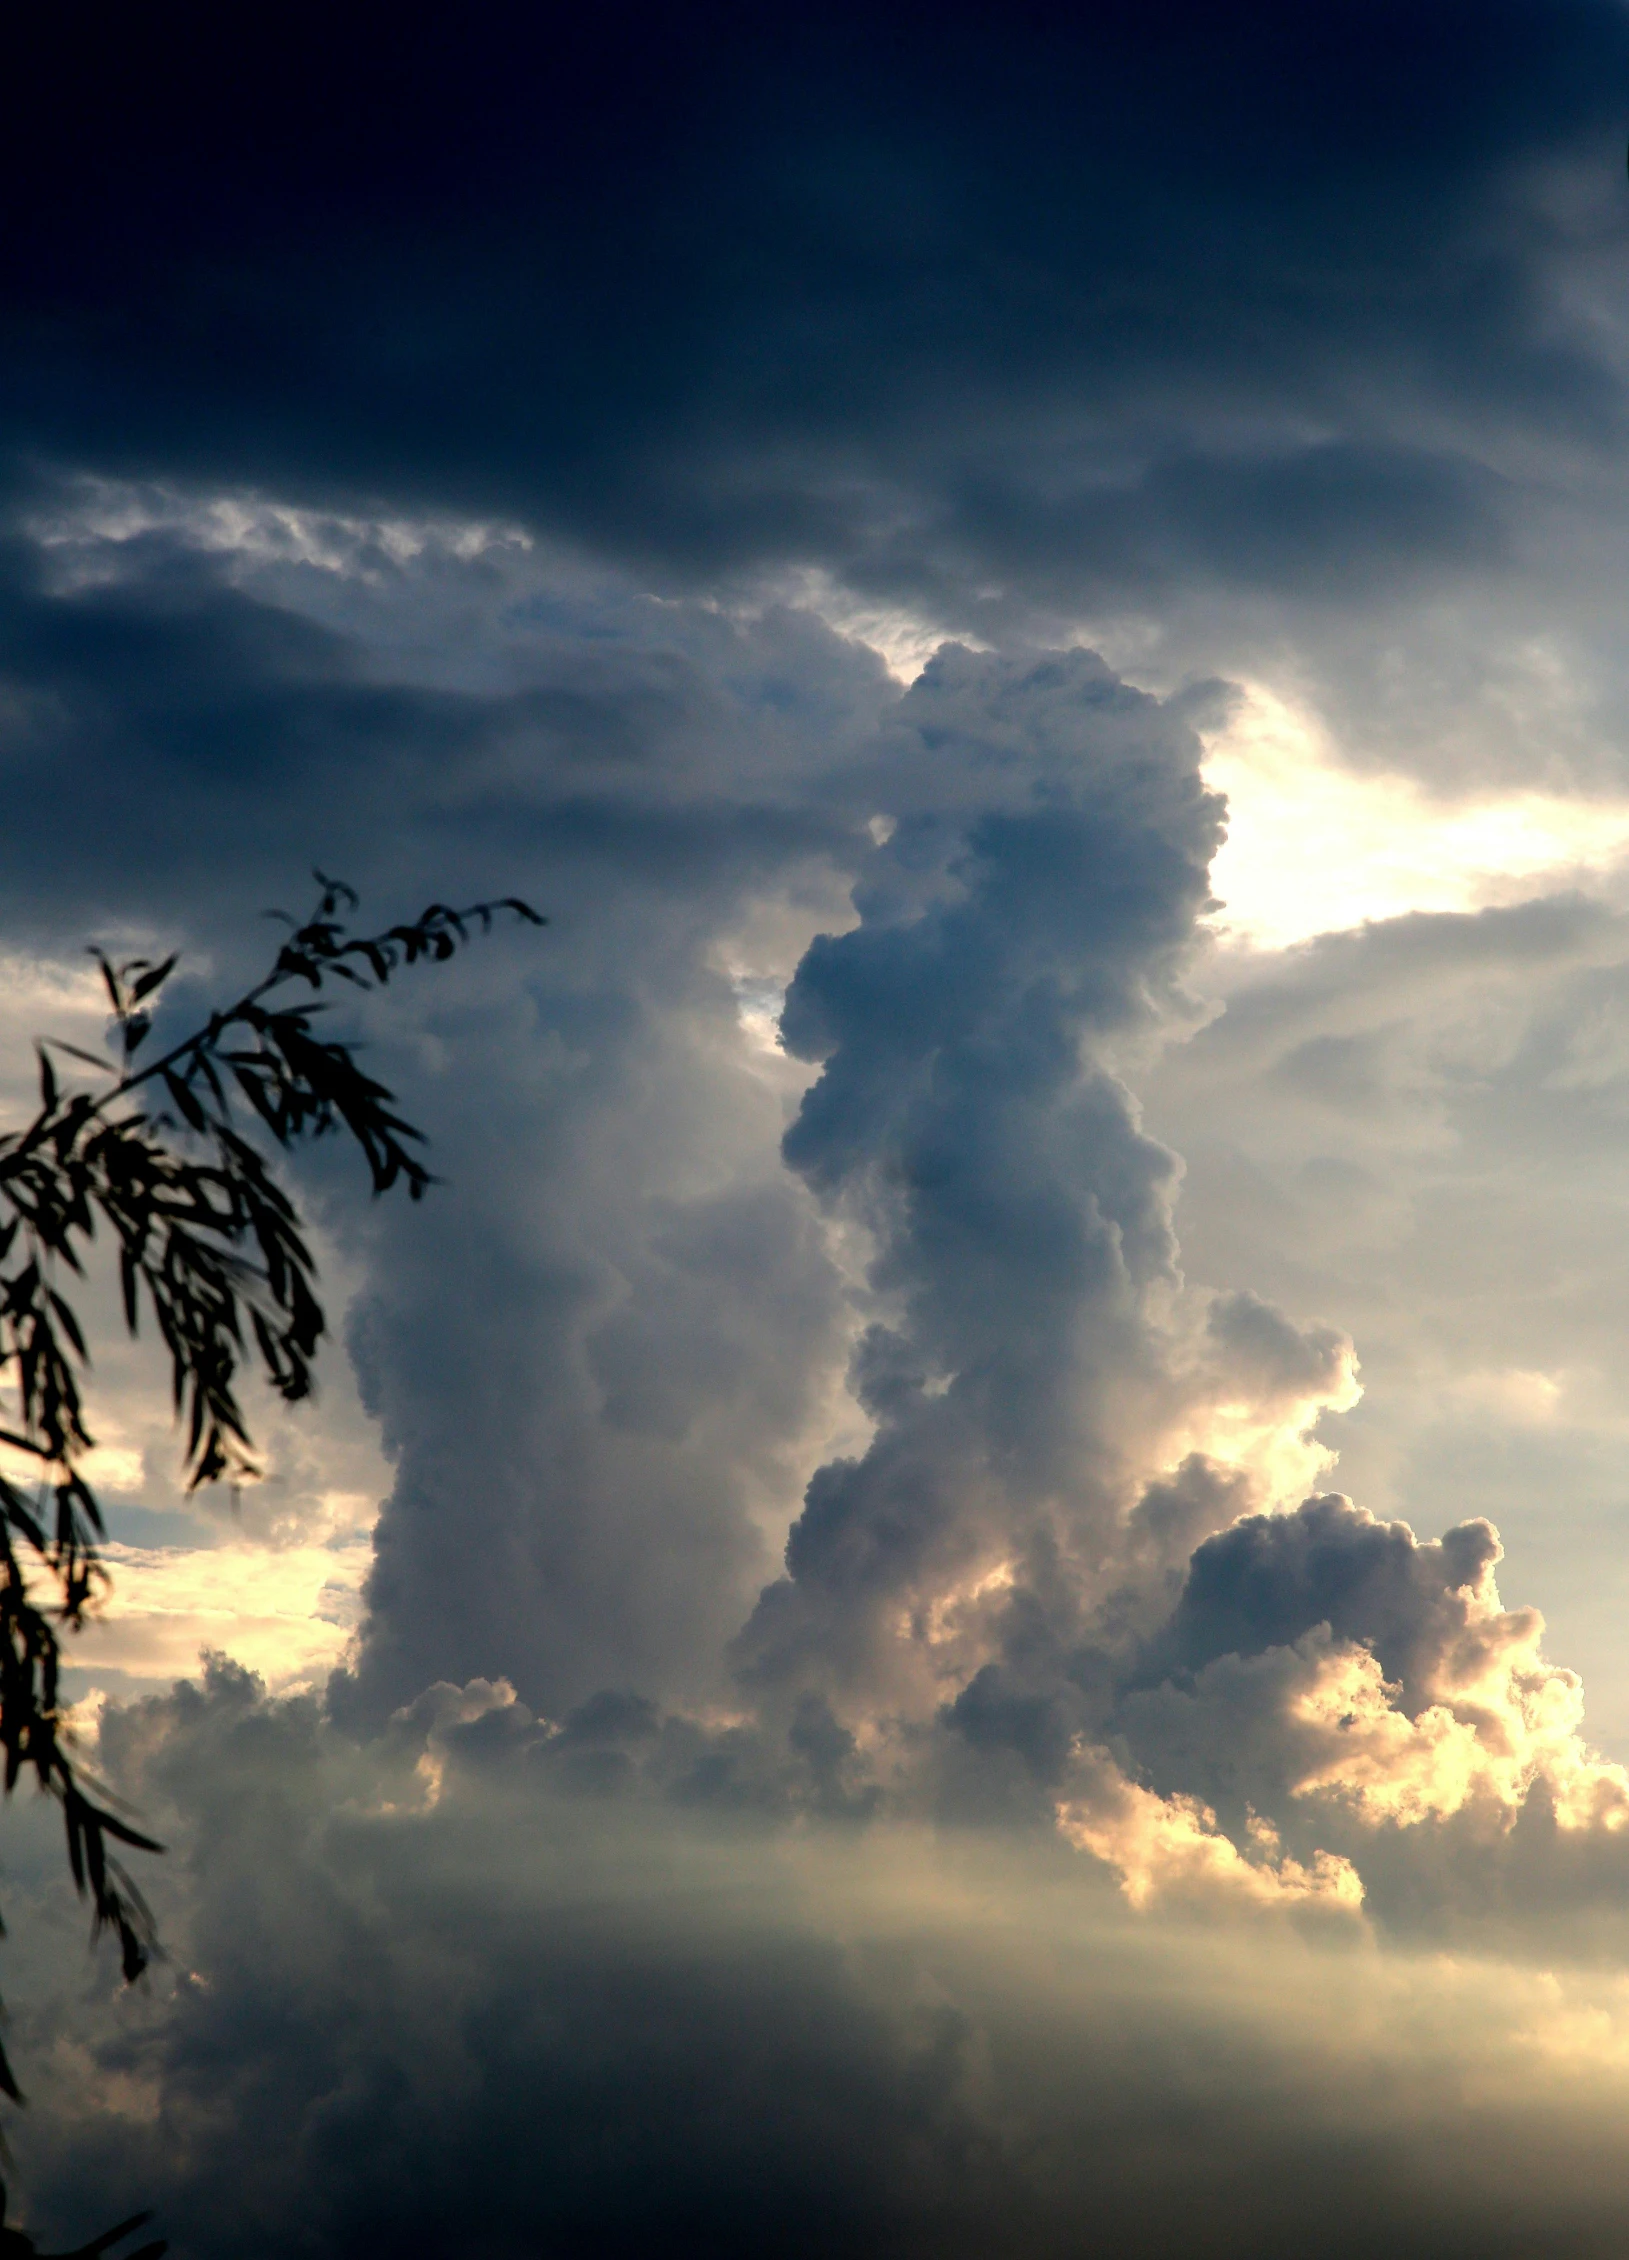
(233, 724)
(1200, 1497)
(1359, 1693)
(581, 1433)
(1271, 1578)
(606, 1358)
(1020, 325)
(529, 2017)
(595, 1352)
(1371, 973)
(1018, 1213)
(1330, 521)
(1191, 1666)
(1271, 1355)
(1273, 346)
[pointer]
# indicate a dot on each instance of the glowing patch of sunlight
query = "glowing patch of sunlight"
(758, 1002)
(1578, 2036)
(1313, 847)
(110, 1467)
(287, 1613)
(945, 1611)
(1274, 1439)
(761, 955)
(902, 639)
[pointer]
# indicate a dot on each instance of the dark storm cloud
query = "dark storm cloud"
(1326, 521)
(1046, 858)
(622, 2030)
(1088, 305)
(638, 1342)
(597, 1356)
(181, 741)
(174, 738)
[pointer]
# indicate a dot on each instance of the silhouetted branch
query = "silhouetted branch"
(212, 1247)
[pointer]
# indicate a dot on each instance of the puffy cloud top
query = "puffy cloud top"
(1422, 1608)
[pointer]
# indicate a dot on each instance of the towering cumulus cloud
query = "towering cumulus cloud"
(838, 1918)
(1047, 857)
(819, 1694)
(1038, 1373)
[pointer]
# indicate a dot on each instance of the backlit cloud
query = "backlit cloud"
(1039, 604)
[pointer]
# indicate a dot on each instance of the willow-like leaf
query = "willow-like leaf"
(212, 1248)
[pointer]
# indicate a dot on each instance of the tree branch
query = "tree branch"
(213, 1247)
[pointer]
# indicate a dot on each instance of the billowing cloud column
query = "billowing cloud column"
(1045, 866)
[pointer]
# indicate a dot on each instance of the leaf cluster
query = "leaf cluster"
(173, 1160)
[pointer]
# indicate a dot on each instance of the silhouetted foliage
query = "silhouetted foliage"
(210, 1245)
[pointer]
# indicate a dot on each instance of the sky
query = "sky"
(960, 1592)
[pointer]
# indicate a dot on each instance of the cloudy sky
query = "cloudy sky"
(962, 1591)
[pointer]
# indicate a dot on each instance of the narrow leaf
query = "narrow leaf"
(155, 979)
